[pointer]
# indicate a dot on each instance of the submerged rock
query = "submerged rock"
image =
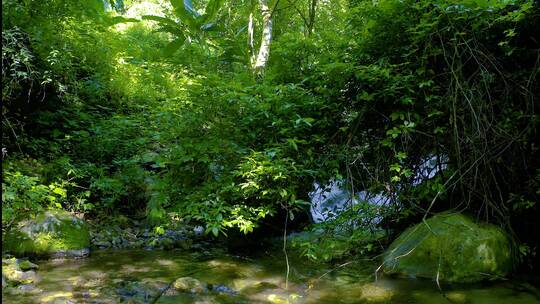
(456, 297)
(50, 233)
(140, 292)
(189, 284)
(283, 299)
(373, 292)
(450, 247)
(223, 289)
(259, 287)
(25, 289)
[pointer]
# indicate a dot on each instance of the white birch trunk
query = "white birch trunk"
(264, 50)
(250, 40)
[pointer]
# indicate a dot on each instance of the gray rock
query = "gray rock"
(76, 254)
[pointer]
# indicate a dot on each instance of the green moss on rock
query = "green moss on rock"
(46, 234)
(451, 247)
(27, 265)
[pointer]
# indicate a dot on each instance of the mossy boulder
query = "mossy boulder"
(452, 248)
(52, 233)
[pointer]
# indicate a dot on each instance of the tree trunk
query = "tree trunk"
(311, 18)
(250, 41)
(264, 49)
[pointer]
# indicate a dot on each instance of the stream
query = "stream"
(142, 276)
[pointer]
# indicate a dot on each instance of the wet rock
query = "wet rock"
(146, 291)
(64, 254)
(8, 260)
(223, 289)
(374, 293)
(82, 295)
(450, 247)
(135, 236)
(10, 265)
(259, 287)
(17, 277)
(62, 300)
(27, 265)
(46, 234)
(189, 284)
(283, 299)
(25, 289)
(12, 273)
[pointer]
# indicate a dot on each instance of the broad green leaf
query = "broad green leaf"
(212, 8)
(176, 31)
(119, 19)
(160, 20)
(187, 15)
(173, 46)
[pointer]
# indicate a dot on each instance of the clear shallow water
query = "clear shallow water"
(139, 276)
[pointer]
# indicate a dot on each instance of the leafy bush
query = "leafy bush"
(23, 195)
(365, 94)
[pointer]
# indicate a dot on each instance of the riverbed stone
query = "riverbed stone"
(48, 233)
(15, 276)
(450, 247)
(223, 289)
(145, 291)
(376, 293)
(25, 289)
(189, 284)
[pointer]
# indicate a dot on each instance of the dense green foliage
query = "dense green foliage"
(151, 108)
